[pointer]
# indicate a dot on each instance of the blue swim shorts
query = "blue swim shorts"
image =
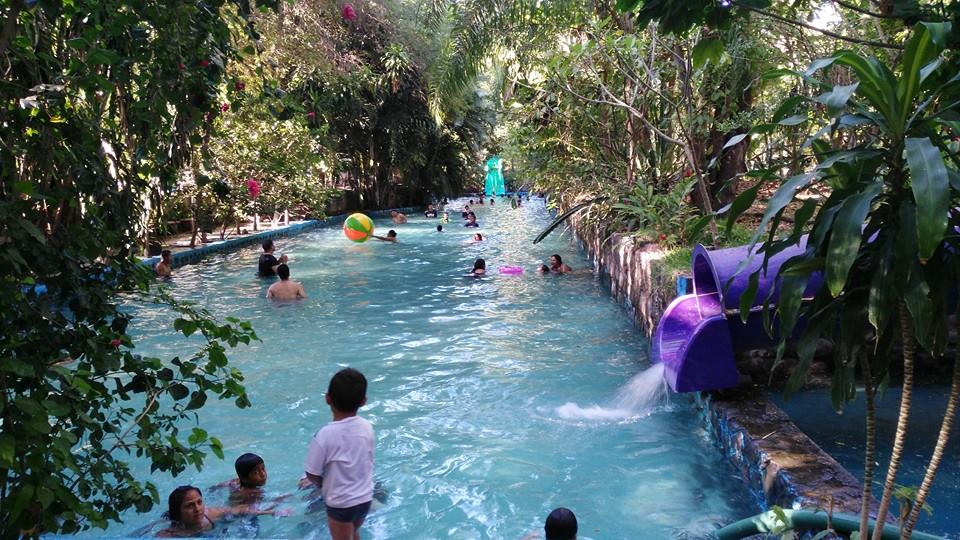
(349, 515)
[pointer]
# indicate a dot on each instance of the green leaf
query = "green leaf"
(836, 99)
(926, 42)
(8, 446)
(880, 302)
(749, 295)
(845, 237)
(917, 298)
(741, 203)
(788, 106)
(931, 190)
(178, 391)
(32, 230)
(625, 6)
(103, 57)
(707, 50)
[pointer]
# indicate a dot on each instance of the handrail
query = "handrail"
(770, 521)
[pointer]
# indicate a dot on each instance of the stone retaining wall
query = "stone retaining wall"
(780, 464)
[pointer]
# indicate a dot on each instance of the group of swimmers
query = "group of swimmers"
(338, 470)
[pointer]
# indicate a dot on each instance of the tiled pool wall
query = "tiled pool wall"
(779, 463)
(192, 256)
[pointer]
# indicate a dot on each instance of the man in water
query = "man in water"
(398, 217)
(164, 267)
(268, 264)
(471, 221)
(285, 289)
(431, 212)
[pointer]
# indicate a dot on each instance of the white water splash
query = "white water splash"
(645, 391)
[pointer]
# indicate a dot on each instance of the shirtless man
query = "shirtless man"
(398, 217)
(390, 237)
(285, 289)
(164, 267)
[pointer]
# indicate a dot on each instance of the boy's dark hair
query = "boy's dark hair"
(391, 233)
(175, 500)
(283, 271)
(245, 464)
(347, 390)
(267, 245)
(439, 228)
(479, 263)
(165, 253)
(561, 525)
(544, 268)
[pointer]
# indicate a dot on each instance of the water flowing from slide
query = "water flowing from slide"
(642, 394)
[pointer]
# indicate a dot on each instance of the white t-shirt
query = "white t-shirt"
(342, 453)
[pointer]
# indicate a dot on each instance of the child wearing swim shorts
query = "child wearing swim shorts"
(340, 456)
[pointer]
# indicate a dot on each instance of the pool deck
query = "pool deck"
(781, 465)
(193, 255)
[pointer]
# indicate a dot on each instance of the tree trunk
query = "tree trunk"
(871, 439)
(909, 350)
(942, 440)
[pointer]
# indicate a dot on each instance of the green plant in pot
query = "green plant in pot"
(876, 208)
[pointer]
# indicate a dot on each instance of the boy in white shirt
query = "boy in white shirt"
(340, 457)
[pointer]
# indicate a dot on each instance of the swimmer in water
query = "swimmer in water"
(390, 237)
(439, 228)
(446, 217)
(479, 267)
(285, 289)
(189, 516)
(398, 217)
(165, 266)
(478, 237)
(544, 269)
(557, 265)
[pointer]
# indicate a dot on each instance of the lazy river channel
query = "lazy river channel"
(493, 399)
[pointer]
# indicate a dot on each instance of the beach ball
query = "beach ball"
(358, 227)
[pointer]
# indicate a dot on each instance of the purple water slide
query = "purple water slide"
(700, 333)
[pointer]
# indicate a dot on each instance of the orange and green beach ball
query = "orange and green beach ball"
(358, 227)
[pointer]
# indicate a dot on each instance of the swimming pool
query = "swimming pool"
(842, 436)
(491, 397)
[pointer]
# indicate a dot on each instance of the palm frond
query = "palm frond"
(562, 217)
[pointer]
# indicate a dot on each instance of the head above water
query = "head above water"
(391, 233)
(561, 525)
(544, 269)
(267, 246)
(250, 470)
(175, 501)
(439, 228)
(478, 237)
(347, 390)
(555, 260)
(284, 272)
(165, 254)
(480, 264)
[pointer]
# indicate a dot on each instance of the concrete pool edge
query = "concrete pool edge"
(195, 255)
(781, 465)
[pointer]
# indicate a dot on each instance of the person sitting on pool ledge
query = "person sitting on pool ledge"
(390, 237)
(479, 267)
(268, 264)
(398, 217)
(557, 265)
(285, 289)
(188, 516)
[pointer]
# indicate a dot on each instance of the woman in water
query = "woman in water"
(479, 267)
(478, 237)
(188, 516)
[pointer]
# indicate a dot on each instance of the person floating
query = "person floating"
(340, 456)
(165, 266)
(285, 289)
(557, 265)
(390, 237)
(267, 266)
(398, 217)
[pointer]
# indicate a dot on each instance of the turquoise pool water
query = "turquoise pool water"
(842, 436)
(492, 398)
